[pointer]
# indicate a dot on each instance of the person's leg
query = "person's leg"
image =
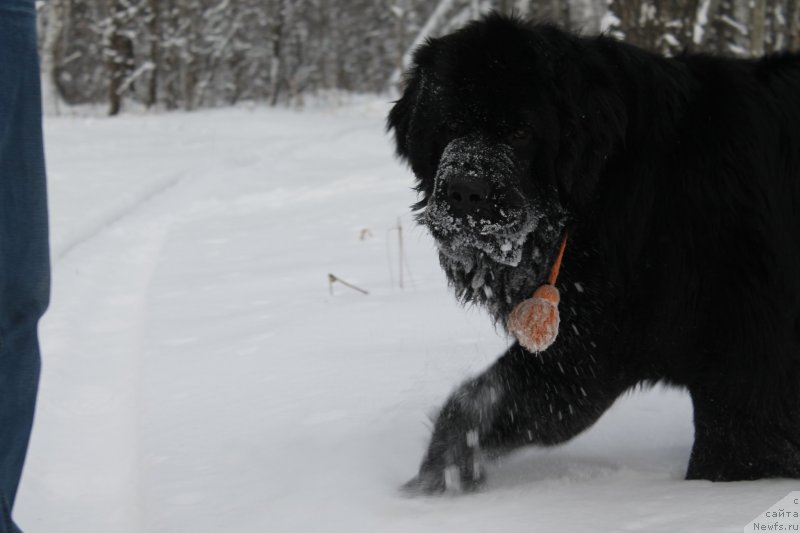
(24, 257)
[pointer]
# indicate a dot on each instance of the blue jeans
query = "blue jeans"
(24, 256)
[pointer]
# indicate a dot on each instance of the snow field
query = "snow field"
(199, 376)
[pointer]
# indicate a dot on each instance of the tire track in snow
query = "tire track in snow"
(85, 449)
(115, 216)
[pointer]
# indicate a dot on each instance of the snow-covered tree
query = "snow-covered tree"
(200, 53)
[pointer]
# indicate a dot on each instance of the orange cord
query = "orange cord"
(557, 265)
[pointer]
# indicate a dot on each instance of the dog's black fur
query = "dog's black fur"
(679, 183)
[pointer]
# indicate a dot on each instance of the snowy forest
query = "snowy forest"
(187, 54)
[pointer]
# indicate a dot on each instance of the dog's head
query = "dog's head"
(507, 127)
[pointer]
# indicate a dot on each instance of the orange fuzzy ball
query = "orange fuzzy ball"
(534, 322)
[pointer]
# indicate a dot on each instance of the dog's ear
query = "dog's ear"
(593, 121)
(402, 115)
(402, 112)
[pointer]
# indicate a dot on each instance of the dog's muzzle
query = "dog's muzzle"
(477, 204)
(494, 242)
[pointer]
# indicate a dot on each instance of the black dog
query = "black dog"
(678, 181)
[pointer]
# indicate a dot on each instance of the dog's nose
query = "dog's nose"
(468, 197)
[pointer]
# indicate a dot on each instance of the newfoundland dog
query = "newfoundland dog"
(678, 182)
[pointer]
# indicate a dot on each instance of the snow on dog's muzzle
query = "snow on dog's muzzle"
(477, 203)
(474, 176)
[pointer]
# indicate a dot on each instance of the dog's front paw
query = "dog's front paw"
(454, 461)
(454, 478)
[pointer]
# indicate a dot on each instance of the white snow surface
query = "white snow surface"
(198, 375)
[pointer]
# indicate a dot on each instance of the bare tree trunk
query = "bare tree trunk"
(632, 20)
(154, 27)
(114, 74)
(742, 43)
(51, 52)
(757, 21)
(275, 70)
(731, 34)
(794, 25)
(119, 50)
(706, 10)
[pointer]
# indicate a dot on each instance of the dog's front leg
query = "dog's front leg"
(523, 398)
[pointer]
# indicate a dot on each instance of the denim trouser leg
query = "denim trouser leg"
(24, 259)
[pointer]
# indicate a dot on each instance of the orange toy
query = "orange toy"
(534, 322)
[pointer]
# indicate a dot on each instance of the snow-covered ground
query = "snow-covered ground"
(199, 376)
